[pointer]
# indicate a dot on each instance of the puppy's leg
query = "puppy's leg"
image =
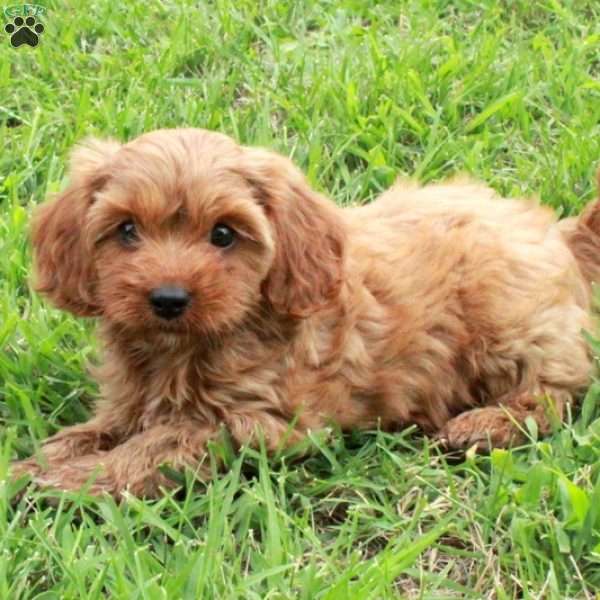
(537, 367)
(135, 464)
(504, 424)
(93, 437)
(276, 432)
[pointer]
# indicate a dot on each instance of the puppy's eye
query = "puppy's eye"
(222, 236)
(128, 233)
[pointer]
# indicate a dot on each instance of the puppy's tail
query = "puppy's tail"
(583, 237)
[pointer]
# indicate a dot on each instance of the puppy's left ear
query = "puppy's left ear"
(308, 266)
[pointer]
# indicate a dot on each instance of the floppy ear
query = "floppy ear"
(65, 271)
(307, 269)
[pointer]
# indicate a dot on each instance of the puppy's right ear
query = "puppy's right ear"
(65, 270)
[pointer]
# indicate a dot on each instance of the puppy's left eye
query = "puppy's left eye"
(128, 233)
(222, 235)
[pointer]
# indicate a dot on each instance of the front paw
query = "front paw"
(483, 428)
(23, 468)
(85, 473)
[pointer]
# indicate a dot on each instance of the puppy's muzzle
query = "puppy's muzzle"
(169, 302)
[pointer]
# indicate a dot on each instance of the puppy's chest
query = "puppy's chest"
(209, 392)
(259, 375)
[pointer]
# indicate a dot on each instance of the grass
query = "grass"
(357, 94)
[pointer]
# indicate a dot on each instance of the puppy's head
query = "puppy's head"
(185, 232)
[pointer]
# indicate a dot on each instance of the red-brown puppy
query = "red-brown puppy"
(230, 294)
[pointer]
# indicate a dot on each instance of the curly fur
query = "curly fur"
(442, 306)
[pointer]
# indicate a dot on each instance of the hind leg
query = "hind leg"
(505, 424)
(535, 377)
(537, 361)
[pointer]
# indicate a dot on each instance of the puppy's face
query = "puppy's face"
(180, 243)
(183, 232)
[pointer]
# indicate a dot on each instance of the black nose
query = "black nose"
(169, 302)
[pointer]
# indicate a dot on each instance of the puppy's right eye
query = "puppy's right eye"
(128, 233)
(222, 235)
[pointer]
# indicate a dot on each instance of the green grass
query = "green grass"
(506, 90)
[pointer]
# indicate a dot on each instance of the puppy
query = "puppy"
(229, 294)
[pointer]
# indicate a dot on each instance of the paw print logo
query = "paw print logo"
(24, 31)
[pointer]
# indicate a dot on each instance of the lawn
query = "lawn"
(357, 94)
